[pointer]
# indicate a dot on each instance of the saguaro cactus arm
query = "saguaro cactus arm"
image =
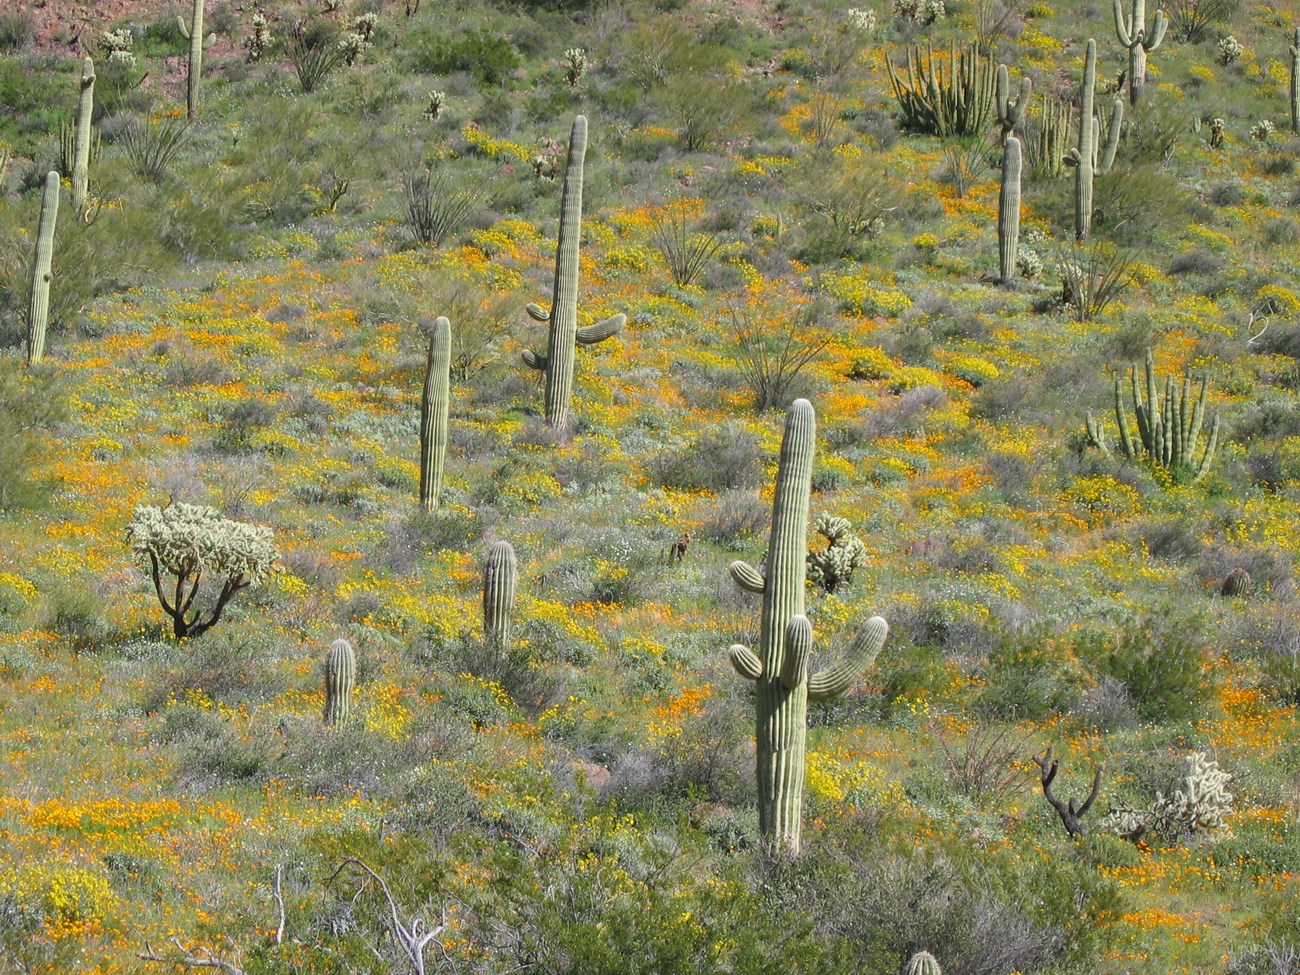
(747, 577)
(861, 654)
(745, 662)
(1008, 112)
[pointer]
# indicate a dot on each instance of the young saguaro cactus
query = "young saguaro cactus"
(1295, 82)
(565, 335)
(194, 34)
(780, 667)
(923, 963)
(500, 580)
(38, 308)
(1134, 35)
(434, 408)
(81, 148)
(340, 679)
(1007, 112)
(1009, 210)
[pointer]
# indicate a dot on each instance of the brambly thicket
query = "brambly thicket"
(404, 407)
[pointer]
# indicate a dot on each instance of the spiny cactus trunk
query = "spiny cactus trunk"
(434, 409)
(500, 580)
(1295, 83)
(195, 77)
(81, 150)
(340, 679)
(1082, 156)
(38, 308)
(1009, 209)
(562, 341)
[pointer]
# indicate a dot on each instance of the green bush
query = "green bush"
(1160, 660)
(489, 57)
(30, 404)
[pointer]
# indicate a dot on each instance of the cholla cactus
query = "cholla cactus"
(1201, 804)
(1230, 49)
(190, 542)
(862, 20)
(364, 25)
(575, 65)
(1261, 130)
(117, 43)
(834, 565)
(437, 99)
(256, 43)
(1217, 127)
(907, 9)
(351, 47)
(1028, 263)
(932, 10)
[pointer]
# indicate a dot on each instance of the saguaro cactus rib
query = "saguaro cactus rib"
(435, 407)
(780, 667)
(38, 307)
(564, 334)
(1134, 36)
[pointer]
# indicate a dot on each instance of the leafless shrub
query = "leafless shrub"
(982, 763)
(771, 355)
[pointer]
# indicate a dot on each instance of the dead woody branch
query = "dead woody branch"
(1071, 817)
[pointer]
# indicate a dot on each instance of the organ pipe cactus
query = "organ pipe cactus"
(1009, 210)
(958, 103)
(1295, 82)
(780, 667)
(1007, 112)
(565, 335)
(500, 579)
(194, 34)
(38, 308)
(81, 148)
(434, 407)
(1134, 35)
(340, 679)
(1168, 427)
(1047, 142)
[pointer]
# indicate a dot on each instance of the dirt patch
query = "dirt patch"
(74, 27)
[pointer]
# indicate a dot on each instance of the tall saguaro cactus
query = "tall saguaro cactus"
(565, 335)
(340, 679)
(38, 308)
(780, 667)
(1088, 158)
(500, 579)
(1009, 210)
(81, 148)
(434, 408)
(1295, 82)
(1134, 35)
(194, 34)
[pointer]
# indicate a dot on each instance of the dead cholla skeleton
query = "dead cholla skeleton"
(187, 541)
(1071, 816)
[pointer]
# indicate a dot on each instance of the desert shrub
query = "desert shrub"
(32, 100)
(224, 759)
(315, 50)
(241, 422)
(735, 517)
(721, 459)
(771, 355)
(488, 56)
(231, 668)
(150, 147)
(31, 404)
(438, 203)
(1160, 660)
(1028, 677)
(16, 31)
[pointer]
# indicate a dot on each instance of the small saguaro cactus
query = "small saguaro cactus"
(1009, 210)
(923, 963)
(1134, 35)
(340, 679)
(1009, 113)
(780, 667)
(565, 335)
(1167, 430)
(1088, 159)
(38, 308)
(194, 34)
(81, 148)
(434, 408)
(500, 579)
(1295, 82)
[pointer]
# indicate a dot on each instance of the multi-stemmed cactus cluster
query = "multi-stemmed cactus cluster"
(435, 406)
(780, 667)
(565, 335)
(1168, 427)
(958, 105)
